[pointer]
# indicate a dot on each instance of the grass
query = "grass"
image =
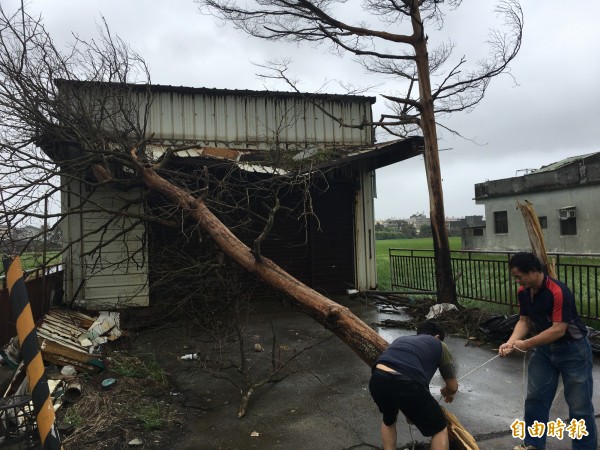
(150, 416)
(136, 367)
(383, 260)
(486, 276)
(33, 260)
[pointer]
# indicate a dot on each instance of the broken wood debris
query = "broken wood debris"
(58, 337)
(458, 433)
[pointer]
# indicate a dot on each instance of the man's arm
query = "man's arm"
(450, 389)
(519, 332)
(448, 373)
(556, 331)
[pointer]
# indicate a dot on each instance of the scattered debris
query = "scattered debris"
(105, 328)
(135, 442)
(9, 355)
(439, 308)
(68, 371)
(594, 338)
(72, 391)
(58, 335)
(108, 382)
(190, 356)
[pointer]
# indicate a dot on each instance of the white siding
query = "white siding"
(114, 276)
(366, 263)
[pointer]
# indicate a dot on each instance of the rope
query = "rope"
(478, 367)
(475, 369)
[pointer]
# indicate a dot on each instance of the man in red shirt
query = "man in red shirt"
(560, 347)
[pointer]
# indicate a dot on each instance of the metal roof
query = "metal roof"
(217, 91)
(563, 163)
(253, 160)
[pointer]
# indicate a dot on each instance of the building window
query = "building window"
(477, 231)
(500, 222)
(568, 221)
(568, 227)
(543, 221)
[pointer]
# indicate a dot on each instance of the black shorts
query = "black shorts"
(393, 393)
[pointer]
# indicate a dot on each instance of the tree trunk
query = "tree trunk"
(536, 236)
(338, 319)
(446, 289)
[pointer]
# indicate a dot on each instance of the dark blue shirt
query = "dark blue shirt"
(418, 356)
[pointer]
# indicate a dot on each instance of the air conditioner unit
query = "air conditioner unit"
(565, 214)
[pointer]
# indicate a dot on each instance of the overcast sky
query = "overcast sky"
(549, 111)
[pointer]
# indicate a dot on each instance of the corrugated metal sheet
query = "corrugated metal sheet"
(238, 120)
(233, 118)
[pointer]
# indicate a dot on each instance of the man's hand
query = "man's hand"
(447, 394)
(506, 349)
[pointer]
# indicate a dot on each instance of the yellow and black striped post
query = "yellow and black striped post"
(32, 356)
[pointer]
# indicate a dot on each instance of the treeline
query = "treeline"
(406, 230)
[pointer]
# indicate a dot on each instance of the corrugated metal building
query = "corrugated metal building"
(332, 255)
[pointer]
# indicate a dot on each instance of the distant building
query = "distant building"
(565, 198)
(418, 220)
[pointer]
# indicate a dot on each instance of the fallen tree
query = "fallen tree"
(362, 339)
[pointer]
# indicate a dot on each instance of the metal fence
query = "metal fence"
(484, 276)
(43, 284)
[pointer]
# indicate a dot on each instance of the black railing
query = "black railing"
(484, 276)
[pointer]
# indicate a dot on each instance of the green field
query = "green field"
(31, 260)
(383, 259)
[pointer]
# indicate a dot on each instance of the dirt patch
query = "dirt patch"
(129, 404)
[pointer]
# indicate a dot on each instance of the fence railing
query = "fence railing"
(484, 276)
(42, 285)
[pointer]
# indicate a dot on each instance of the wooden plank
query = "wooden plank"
(458, 433)
(61, 355)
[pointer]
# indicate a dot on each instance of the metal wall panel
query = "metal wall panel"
(242, 120)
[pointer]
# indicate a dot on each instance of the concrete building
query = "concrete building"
(565, 196)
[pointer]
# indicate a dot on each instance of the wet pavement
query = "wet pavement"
(325, 403)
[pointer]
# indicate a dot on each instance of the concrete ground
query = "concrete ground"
(324, 403)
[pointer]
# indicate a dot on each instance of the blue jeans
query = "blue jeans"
(573, 361)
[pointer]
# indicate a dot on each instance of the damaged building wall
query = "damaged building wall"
(246, 131)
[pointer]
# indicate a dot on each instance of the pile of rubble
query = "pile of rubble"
(71, 346)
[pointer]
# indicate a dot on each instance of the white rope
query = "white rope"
(478, 367)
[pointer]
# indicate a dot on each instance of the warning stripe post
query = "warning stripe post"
(31, 353)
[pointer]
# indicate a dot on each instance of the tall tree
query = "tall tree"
(434, 85)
